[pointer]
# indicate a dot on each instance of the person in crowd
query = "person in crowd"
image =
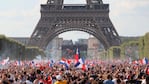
(108, 80)
(107, 73)
(60, 80)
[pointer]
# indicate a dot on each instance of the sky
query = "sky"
(18, 18)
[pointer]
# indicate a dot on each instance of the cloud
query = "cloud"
(15, 12)
(8, 13)
(126, 6)
(14, 27)
(21, 21)
(43, 1)
(130, 17)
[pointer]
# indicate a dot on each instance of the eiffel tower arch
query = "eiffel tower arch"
(57, 18)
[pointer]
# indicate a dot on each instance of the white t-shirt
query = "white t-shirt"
(115, 81)
(143, 81)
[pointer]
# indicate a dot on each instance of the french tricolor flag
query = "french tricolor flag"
(51, 63)
(64, 62)
(81, 64)
(144, 61)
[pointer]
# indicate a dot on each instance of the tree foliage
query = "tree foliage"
(16, 50)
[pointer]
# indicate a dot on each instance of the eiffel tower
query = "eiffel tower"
(57, 18)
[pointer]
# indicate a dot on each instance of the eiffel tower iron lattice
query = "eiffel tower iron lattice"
(57, 18)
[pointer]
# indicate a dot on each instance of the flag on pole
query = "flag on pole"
(81, 64)
(51, 63)
(76, 56)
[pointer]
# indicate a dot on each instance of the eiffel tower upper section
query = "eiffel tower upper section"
(57, 18)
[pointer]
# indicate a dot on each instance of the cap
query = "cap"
(59, 77)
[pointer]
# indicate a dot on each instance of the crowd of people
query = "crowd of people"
(106, 73)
